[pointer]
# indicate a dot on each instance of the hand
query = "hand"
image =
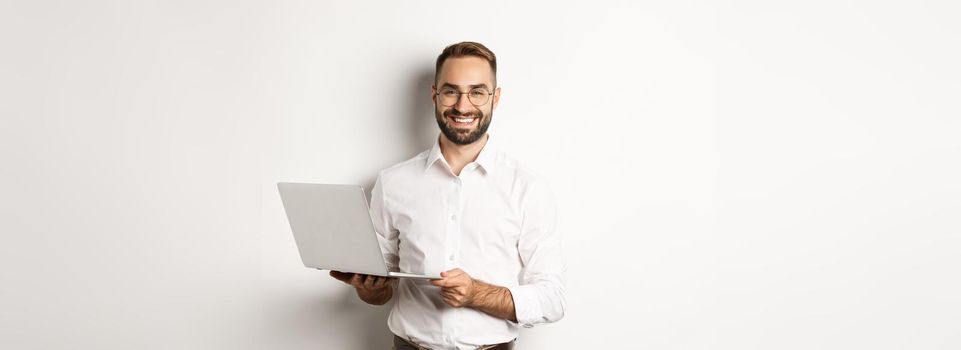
(361, 281)
(457, 288)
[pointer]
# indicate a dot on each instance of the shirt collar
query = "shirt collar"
(485, 159)
(434, 154)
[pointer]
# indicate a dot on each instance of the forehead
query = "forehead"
(465, 71)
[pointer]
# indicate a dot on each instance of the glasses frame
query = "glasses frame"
(461, 94)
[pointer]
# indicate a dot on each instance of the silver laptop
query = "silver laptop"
(333, 230)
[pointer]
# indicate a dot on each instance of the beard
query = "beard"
(461, 136)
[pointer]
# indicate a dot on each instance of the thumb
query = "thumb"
(341, 276)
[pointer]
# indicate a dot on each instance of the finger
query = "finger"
(440, 282)
(357, 280)
(379, 282)
(341, 276)
(446, 282)
(452, 301)
(454, 281)
(384, 282)
(452, 273)
(453, 292)
(446, 294)
(371, 282)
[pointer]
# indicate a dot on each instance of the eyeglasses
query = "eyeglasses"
(476, 96)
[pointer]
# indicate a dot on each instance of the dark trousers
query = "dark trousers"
(402, 344)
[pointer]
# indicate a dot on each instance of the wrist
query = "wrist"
(477, 287)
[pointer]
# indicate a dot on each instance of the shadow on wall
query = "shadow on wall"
(338, 320)
(421, 131)
(335, 317)
(372, 322)
(421, 128)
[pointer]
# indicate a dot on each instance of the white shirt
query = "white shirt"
(495, 221)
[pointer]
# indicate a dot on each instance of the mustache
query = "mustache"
(455, 113)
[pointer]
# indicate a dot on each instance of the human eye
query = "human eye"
(448, 92)
(477, 93)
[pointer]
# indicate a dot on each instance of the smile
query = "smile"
(462, 121)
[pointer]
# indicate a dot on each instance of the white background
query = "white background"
(731, 175)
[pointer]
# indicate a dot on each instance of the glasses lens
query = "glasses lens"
(448, 97)
(478, 96)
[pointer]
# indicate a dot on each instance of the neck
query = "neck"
(458, 156)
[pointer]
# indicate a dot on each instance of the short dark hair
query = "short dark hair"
(464, 49)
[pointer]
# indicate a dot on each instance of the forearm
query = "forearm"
(493, 300)
(376, 297)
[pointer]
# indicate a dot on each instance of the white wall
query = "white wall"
(745, 175)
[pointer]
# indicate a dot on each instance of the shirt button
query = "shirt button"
(453, 217)
(452, 258)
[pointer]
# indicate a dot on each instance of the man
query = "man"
(467, 211)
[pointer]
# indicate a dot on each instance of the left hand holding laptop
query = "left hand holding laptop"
(376, 290)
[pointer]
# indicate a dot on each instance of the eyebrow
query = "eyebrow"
(483, 85)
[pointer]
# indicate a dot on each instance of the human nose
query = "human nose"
(463, 102)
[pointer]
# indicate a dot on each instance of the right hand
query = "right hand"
(365, 284)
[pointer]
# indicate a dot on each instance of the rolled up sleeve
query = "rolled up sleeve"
(540, 296)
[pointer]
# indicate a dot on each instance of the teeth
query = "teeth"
(464, 120)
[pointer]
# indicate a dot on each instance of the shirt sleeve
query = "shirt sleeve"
(387, 235)
(541, 296)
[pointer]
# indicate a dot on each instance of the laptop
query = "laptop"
(333, 230)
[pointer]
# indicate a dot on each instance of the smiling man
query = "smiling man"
(467, 211)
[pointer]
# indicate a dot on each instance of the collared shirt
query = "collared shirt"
(496, 221)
